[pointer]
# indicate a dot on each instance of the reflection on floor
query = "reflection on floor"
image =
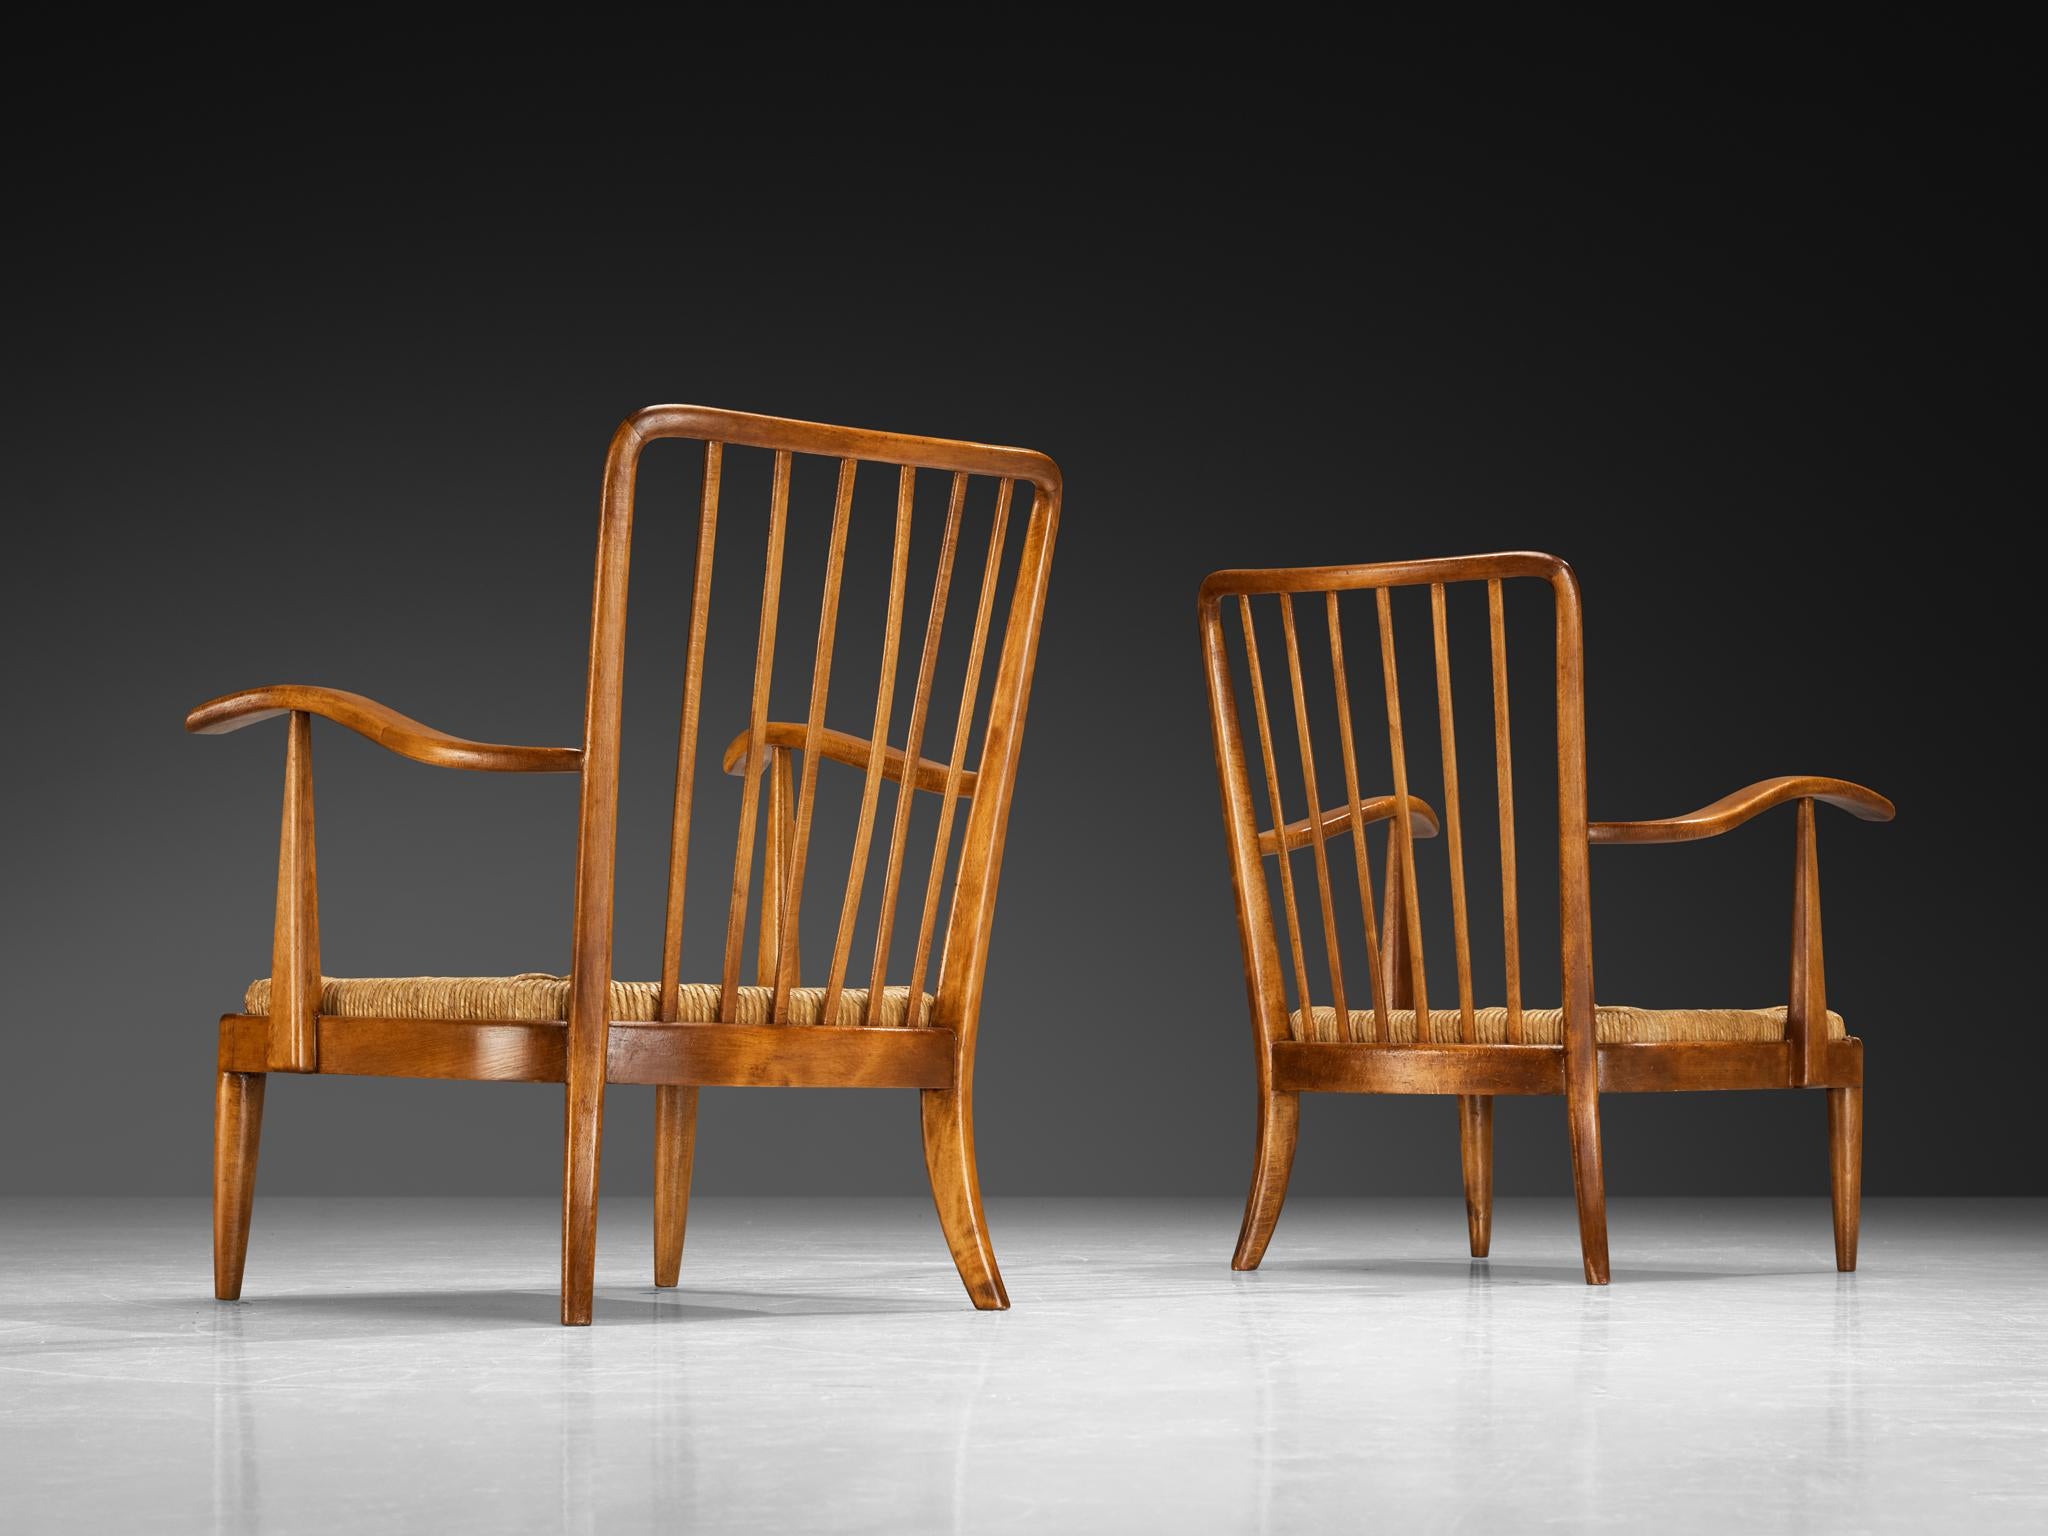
(396, 1366)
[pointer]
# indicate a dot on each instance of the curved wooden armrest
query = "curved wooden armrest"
(1421, 822)
(385, 726)
(850, 750)
(1732, 811)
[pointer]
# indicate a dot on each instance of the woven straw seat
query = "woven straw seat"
(538, 997)
(1545, 1026)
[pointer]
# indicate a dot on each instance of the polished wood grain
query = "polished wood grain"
(380, 723)
(783, 434)
(1456, 1068)
(1385, 574)
(780, 931)
(1806, 1015)
(1273, 802)
(853, 751)
(1347, 819)
(1504, 800)
(871, 781)
(1475, 1156)
(1575, 924)
(1417, 987)
(948, 1124)
(237, 1133)
(956, 761)
(1461, 928)
(687, 733)
(1355, 816)
(786, 965)
(587, 1050)
(675, 1153)
(1265, 992)
(757, 732)
(295, 936)
(1304, 1066)
(963, 968)
(1394, 953)
(1272, 1163)
(1701, 1066)
(1845, 1170)
(687, 1055)
(675, 1106)
(587, 1046)
(785, 1056)
(1731, 811)
(1305, 750)
(913, 744)
(1580, 1068)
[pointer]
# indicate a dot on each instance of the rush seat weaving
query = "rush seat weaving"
(537, 997)
(1545, 1026)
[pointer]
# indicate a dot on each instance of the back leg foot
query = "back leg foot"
(1279, 1127)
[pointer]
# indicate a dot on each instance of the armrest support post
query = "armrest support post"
(295, 941)
(1806, 1012)
(778, 928)
(1397, 970)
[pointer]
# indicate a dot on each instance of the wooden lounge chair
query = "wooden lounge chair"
(587, 1030)
(1397, 1042)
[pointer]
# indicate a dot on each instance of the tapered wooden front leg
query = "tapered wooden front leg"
(237, 1130)
(1475, 1150)
(675, 1150)
(582, 1142)
(1845, 1165)
(956, 1191)
(1272, 1162)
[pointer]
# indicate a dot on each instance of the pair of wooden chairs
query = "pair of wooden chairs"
(587, 1030)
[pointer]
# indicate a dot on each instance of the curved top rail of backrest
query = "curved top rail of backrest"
(705, 423)
(1390, 573)
(1396, 979)
(960, 961)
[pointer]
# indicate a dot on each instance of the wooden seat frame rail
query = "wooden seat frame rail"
(1579, 1068)
(589, 1049)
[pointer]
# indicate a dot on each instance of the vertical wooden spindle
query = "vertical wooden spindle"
(1404, 831)
(1504, 774)
(878, 746)
(963, 727)
(913, 746)
(1361, 855)
(686, 744)
(814, 729)
(1258, 687)
(1315, 817)
(1468, 1025)
(757, 727)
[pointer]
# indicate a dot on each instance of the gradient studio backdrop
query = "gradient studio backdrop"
(310, 390)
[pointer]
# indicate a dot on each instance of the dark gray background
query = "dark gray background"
(312, 382)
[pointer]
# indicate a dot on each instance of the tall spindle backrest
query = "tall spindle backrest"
(1028, 493)
(1254, 800)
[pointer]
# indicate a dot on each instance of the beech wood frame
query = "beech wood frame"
(589, 1050)
(1579, 1068)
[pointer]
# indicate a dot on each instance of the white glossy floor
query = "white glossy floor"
(395, 1367)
